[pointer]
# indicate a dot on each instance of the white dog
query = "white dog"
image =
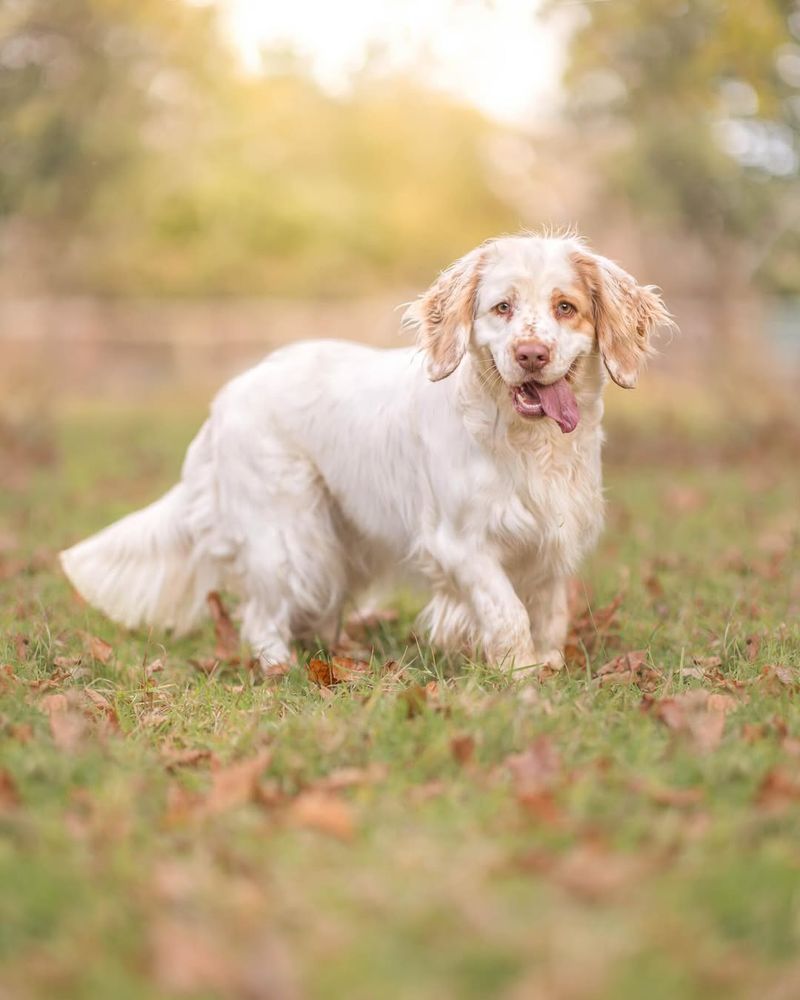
(473, 460)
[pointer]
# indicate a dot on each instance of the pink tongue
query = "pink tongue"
(558, 401)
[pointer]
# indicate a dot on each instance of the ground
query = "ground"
(422, 827)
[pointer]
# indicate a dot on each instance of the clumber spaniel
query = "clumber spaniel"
(473, 460)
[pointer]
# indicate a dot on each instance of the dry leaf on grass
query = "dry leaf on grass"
(96, 647)
(779, 790)
(68, 725)
(778, 678)
(536, 773)
(337, 670)
(752, 646)
(589, 628)
(235, 784)
(630, 668)
(462, 747)
(324, 812)
(9, 794)
(699, 714)
(227, 638)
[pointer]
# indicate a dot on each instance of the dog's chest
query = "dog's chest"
(548, 510)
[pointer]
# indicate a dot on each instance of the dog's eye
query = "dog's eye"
(503, 308)
(565, 308)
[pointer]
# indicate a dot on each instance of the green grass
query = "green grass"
(122, 877)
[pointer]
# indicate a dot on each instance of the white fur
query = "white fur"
(330, 465)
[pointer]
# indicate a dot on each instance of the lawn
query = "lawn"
(425, 827)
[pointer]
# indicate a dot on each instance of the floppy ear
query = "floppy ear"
(445, 313)
(625, 316)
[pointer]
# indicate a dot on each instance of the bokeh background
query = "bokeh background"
(184, 185)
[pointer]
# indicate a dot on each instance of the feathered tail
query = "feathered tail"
(144, 569)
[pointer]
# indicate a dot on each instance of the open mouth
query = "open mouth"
(557, 401)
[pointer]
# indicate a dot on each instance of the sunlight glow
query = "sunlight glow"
(497, 55)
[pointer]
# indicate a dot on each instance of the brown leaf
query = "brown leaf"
(97, 648)
(22, 645)
(235, 784)
(227, 638)
(187, 959)
(752, 645)
(323, 812)
(630, 668)
(699, 714)
(779, 790)
(67, 725)
(67, 662)
(589, 629)
(337, 670)
(593, 873)
(9, 794)
(462, 747)
(779, 678)
(536, 773)
(102, 705)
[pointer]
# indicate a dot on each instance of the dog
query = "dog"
(471, 460)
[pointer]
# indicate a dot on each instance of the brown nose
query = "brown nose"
(532, 355)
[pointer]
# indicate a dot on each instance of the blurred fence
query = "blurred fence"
(123, 348)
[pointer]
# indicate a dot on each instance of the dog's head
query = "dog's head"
(533, 306)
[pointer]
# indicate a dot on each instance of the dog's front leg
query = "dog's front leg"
(549, 618)
(501, 620)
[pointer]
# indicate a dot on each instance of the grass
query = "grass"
(430, 830)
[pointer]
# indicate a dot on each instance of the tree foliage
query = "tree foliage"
(140, 158)
(698, 104)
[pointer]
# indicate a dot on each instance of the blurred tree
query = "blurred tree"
(140, 159)
(85, 86)
(696, 105)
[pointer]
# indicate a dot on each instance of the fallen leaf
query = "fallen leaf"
(699, 714)
(416, 697)
(752, 646)
(187, 959)
(227, 638)
(462, 747)
(235, 784)
(593, 873)
(336, 670)
(630, 668)
(588, 629)
(707, 662)
(779, 678)
(67, 725)
(779, 790)
(102, 705)
(22, 645)
(67, 662)
(323, 812)
(9, 794)
(536, 774)
(97, 648)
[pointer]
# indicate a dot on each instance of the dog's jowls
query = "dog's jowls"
(472, 461)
